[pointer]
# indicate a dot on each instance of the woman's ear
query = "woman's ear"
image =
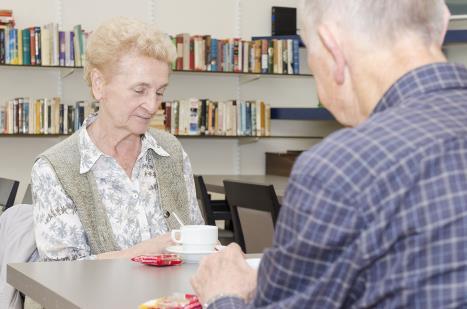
(330, 43)
(97, 84)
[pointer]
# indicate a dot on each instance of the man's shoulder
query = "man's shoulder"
(349, 160)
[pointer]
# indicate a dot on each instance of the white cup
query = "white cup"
(196, 238)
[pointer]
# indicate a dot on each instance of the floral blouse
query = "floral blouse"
(132, 204)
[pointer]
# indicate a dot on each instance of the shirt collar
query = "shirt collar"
(425, 79)
(89, 153)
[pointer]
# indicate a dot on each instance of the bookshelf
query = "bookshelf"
(225, 19)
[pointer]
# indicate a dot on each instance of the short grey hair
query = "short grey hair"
(381, 21)
(121, 35)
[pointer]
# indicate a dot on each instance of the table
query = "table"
(214, 182)
(98, 284)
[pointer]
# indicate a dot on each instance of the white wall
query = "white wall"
(222, 19)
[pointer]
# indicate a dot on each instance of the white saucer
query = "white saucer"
(188, 256)
(253, 263)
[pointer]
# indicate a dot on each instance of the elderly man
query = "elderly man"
(376, 214)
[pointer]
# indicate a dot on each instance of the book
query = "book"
(26, 46)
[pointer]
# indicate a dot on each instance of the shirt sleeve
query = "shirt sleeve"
(57, 227)
(195, 213)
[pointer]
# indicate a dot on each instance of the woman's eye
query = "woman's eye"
(159, 94)
(139, 91)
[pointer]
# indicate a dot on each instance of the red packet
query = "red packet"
(158, 260)
(175, 301)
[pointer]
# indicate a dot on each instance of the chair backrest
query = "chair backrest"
(254, 209)
(8, 189)
(204, 200)
(27, 198)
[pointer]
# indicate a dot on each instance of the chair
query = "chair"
(27, 198)
(8, 189)
(254, 209)
(213, 210)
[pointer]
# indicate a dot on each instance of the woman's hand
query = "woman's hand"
(151, 246)
(154, 245)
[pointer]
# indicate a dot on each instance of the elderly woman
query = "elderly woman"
(111, 189)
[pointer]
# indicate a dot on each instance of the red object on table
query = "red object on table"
(158, 260)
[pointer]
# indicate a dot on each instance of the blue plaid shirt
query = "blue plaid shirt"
(377, 215)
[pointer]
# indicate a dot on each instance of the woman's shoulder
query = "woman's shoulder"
(164, 139)
(68, 145)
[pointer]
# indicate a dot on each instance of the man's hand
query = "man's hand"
(224, 273)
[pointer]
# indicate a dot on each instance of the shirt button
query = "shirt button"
(135, 195)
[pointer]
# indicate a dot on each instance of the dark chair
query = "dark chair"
(214, 210)
(254, 211)
(8, 189)
(27, 198)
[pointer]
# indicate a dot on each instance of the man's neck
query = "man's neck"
(375, 74)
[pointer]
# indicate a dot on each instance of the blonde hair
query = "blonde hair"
(381, 21)
(122, 35)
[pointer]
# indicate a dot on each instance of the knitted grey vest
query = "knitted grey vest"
(82, 189)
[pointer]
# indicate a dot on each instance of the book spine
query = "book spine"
(55, 54)
(26, 47)
(45, 45)
(192, 54)
(264, 56)
(32, 45)
(246, 54)
(38, 50)
(214, 50)
(62, 44)
(207, 52)
(2, 46)
(71, 55)
(61, 119)
(289, 57)
(7, 45)
(296, 57)
(13, 46)
(20, 46)
(26, 116)
(179, 46)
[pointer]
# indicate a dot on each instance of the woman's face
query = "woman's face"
(132, 92)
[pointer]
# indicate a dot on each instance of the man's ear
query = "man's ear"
(97, 84)
(330, 43)
(447, 16)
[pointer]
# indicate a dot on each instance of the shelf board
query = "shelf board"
(301, 114)
(455, 36)
(241, 74)
(207, 73)
(38, 66)
(178, 136)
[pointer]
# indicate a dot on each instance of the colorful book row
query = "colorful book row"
(207, 117)
(45, 45)
(43, 116)
(204, 53)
